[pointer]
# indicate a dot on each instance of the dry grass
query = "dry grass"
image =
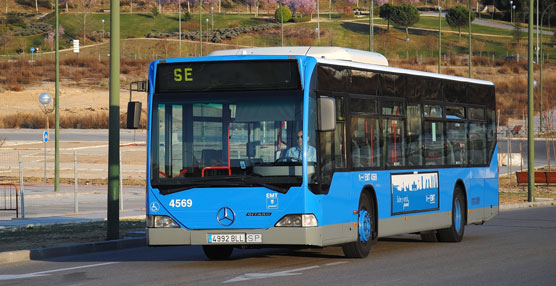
(59, 234)
(15, 76)
(82, 120)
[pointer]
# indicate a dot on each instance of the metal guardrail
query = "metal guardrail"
(9, 198)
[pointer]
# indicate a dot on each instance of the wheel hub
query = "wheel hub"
(365, 226)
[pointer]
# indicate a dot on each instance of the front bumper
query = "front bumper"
(311, 236)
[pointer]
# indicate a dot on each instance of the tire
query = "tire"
(455, 232)
(429, 236)
(218, 252)
(366, 231)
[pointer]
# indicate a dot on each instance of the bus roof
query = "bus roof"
(344, 57)
(407, 71)
(333, 53)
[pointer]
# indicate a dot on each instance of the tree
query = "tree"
(458, 17)
(405, 15)
(85, 6)
(385, 13)
(154, 10)
(283, 12)
(517, 29)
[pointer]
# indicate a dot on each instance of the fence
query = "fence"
(9, 198)
(84, 166)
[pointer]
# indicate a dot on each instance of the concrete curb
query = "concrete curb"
(71, 249)
(547, 203)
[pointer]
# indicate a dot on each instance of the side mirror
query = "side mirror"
(133, 114)
(326, 114)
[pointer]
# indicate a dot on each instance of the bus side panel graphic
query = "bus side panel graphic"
(414, 192)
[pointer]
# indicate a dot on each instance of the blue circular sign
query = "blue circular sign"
(45, 136)
(32, 50)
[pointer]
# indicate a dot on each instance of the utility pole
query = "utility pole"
(200, 28)
(371, 34)
(57, 107)
(469, 36)
(113, 215)
(530, 111)
(439, 36)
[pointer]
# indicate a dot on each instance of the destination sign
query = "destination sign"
(227, 75)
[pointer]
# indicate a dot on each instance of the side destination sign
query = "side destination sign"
(414, 192)
(227, 75)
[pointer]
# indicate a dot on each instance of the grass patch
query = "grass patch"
(60, 234)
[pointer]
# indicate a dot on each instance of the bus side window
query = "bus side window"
(414, 138)
(433, 143)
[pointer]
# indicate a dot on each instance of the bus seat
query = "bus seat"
(355, 154)
(279, 154)
(365, 151)
(211, 157)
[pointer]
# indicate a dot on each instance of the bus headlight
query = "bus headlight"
(160, 221)
(298, 220)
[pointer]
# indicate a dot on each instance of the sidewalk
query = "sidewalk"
(43, 206)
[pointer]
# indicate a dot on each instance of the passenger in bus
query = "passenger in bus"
(296, 152)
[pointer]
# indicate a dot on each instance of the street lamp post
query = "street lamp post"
(211, 18)
(45, 99)
(207, 20)
(102, 20)
(511, 13)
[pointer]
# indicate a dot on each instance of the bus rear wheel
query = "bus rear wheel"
(367, 234)
(455, 232)
(218, 252)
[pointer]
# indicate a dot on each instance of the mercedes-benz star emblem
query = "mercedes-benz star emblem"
(225, 216)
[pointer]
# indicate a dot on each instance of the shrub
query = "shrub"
(31, 3)
(301, 19)
(284, 12)
(16, 20)
(154, 11)
(186, 17)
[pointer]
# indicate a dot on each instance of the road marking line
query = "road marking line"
(251, 276)
(335, 263)
(47, 272)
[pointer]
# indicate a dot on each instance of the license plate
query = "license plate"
(226, 238)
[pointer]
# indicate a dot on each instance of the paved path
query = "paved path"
(44, 206)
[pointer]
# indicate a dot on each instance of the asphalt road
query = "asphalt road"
(126, 135)
(516, 248)
(540, 152)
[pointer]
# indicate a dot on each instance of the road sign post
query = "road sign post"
(44, 140)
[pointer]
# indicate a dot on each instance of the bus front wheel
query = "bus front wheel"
(218, 252)
(367, 234)
(455, 232)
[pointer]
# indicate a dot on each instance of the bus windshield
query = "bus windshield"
(225, 139)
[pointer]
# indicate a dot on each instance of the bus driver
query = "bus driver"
(296, 152)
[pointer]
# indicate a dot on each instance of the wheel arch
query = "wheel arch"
(461, 184)
(370, 190)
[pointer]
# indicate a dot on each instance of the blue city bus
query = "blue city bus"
(312, 147)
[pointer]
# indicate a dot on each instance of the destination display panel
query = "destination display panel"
(227, 75)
